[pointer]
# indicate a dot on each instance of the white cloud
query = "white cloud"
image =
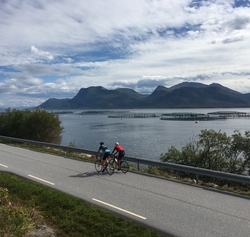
(54, 48)
(40, 53)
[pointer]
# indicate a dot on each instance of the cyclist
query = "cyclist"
(106, 153)
(121, 153)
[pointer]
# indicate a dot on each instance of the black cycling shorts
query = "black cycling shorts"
(121, 155)
(105, 155)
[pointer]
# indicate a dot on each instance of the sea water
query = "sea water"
(145, 138)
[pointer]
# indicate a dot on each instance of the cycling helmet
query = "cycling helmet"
(101, 143)
(117, 143)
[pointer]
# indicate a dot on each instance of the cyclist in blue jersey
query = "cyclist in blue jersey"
(106, 153)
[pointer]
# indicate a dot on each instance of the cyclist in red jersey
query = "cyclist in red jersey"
(121, 153)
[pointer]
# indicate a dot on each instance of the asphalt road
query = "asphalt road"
(171, 207)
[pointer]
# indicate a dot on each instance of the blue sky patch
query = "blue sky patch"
(58, 47)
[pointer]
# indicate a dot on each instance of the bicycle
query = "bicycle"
(113, 161)
(98, 165)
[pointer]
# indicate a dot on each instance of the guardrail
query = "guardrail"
(189, 169)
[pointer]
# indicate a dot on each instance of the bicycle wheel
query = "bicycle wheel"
(110, 168)
(98, 165)
(124, 166)
(112, 163)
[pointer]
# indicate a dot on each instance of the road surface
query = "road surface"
(171, 207)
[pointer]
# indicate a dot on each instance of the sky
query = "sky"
(53, 48)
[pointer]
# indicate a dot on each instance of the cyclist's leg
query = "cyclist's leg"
(112, 163)
(115, 161)
(119, 158)
(104, 161)
(106, 155)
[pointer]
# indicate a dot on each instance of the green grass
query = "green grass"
(68, 215)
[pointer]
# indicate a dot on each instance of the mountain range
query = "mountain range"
(183, 95)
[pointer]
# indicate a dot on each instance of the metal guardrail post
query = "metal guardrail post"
(197, 178)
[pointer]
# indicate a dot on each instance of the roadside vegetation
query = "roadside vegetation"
(37, 125)
(215, 151)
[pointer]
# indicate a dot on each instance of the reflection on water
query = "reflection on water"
(144, 138)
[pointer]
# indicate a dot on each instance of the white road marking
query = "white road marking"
(40, 179)
(4, 165)
(131, 213)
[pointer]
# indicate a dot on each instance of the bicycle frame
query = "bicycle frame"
(123, 164)
(99, 167)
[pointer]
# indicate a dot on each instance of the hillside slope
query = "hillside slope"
(183, 95)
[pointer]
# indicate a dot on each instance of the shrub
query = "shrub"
(213, 150)
(38, 125)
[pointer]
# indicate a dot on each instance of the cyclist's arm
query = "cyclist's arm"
(98, 152)
(113, 151)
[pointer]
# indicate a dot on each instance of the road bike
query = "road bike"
(113, 161)
(98, 165)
